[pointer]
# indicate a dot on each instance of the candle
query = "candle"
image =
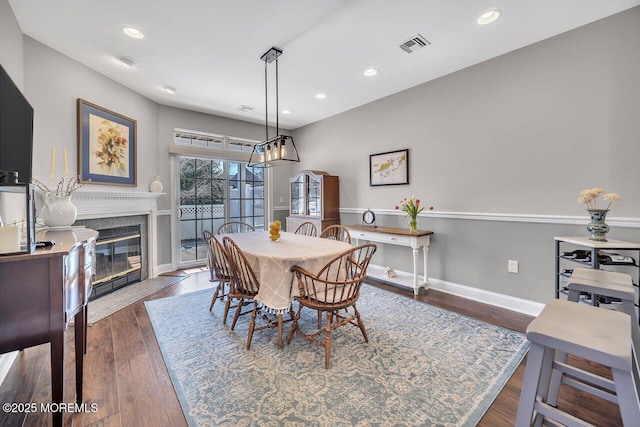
(9, 239)
(53, 160)
(66, 167)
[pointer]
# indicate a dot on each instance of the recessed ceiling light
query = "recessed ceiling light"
(170, 89)
(133, 32)
(489, 17)
(321, 96)
(286, 112)
(370, 72)
(129, 62)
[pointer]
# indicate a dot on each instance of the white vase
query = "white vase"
(58, 211)
(156, 185)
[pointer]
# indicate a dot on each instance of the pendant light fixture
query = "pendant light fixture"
(279, 149)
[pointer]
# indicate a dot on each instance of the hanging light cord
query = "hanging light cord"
(277, 124)
(266, 102)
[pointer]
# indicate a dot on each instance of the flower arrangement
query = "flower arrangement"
(113, 146)
(65, 186)
(590, 196)
(412, 208)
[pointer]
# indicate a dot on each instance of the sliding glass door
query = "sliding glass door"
(212, 192)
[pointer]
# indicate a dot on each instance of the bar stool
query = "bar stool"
(597, 282)
(613, 277)
(595, 334)
(606, 283)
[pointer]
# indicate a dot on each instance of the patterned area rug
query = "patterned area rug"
(423, 366)
(107, 305)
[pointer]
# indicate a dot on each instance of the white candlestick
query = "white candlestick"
(53, 160)
(66, 167)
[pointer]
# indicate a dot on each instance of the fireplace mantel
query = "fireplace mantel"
(100, 204)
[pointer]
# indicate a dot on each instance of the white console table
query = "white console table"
(399, 236)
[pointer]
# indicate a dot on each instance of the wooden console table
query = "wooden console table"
(402, 237)
(41, 293)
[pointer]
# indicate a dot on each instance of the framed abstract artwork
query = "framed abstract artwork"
(106, 146)
(390, 168)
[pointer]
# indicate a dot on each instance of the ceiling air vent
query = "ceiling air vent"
(414, 44)
(246, 108)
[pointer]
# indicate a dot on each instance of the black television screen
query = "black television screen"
(16, 132)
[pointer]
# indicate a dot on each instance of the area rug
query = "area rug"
(423, 366)
(122, 298)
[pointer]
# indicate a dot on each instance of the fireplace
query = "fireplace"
(121, 252)
(106, 210)
(118, 259)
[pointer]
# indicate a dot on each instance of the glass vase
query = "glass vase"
(413, 224)
(597, 227)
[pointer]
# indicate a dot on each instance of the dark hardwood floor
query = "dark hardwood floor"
(127, 381)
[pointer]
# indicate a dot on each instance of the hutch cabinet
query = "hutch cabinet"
(313, 196)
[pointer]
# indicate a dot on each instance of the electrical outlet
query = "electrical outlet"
(281, 199)
(512, 266)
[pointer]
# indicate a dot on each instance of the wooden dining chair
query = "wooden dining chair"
(307, 229)
(333, 290)
(336, 232)
(218, 268)
(235, 227)
(244, 288)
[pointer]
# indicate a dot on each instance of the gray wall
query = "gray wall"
(11, 56)
(521, 134)
(53, 84)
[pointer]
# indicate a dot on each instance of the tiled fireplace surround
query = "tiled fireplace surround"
(101, 210)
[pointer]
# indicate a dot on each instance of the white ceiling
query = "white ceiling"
(209, 50)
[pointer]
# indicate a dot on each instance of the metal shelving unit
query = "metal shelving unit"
(595, 250)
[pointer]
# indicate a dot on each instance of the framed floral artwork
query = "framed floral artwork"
(106, 146)
(390, 168)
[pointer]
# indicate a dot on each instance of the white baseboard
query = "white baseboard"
(6, 361)
(404, 278)
(164, 268)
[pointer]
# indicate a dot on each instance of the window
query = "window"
(216, 189)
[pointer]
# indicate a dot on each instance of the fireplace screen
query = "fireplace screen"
(118, 259)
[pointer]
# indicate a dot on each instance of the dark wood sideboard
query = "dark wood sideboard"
(39, 295)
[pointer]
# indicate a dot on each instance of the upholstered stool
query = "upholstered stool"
(597, 282)
(595, 334)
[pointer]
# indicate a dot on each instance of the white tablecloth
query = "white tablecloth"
(271, 262)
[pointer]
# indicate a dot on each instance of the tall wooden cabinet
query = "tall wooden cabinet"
(314, 196)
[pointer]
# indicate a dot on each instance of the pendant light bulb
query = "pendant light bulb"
(275, 154)
(283, 149)
(268, 150)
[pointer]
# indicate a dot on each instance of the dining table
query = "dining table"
(271, 262)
